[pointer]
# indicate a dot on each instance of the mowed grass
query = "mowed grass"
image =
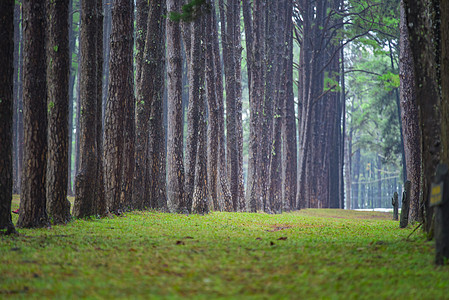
(310, 254)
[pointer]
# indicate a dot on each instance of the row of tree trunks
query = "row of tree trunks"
(228, 26)
(224, 191)
(320, 109)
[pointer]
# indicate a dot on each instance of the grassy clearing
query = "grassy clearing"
(310, 254)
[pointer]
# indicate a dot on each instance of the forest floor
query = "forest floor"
(309, 254)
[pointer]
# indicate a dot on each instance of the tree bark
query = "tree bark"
(226, 202)
(129, 114)
(200, 203)
(425, 49)
(155, 48)
(99, 205)
(175, 165)
(212, 105)
(6, 113)
(256, 94)
(58, 68)
(410, 117)
(142, 9)
(86, 178)
(289, 120)
(193, 116)
(227, 19)
(120, 93)
(33, 196)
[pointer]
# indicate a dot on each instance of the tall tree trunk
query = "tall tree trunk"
(120, 94)
(140, 184)
(444, 10)
(424, 44)
(193, 117)
(58, 68)
(148, 173)
(33, 195)
(17, 43)
(6, 113)
(200, 203)
(212, 105)
(72, 44)
(99, 205)
(410, 117)
(227, 29)
(253, 191)
(20, 113)
(129, 114)
(86, 178)
(289, 121)
(226, 203)
(241, 204)
(175, 164)
(156, 52)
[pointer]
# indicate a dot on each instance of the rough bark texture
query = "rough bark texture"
(193, 116)
(16, 84)
(410, 117)
(200, 203)
(86, 178)
(72, 41)
(212, 106)
(155, 48)
(141, 16)
(289, 120)
(223, 172)
(256, 94)
(58, 207)
(129, 115)
(444, 11)
(99, 205)
(424, 38)
(228, 20)
(6, 113)
(33, 196)
(120, 91)
(175, 164)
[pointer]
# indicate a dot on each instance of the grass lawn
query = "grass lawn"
(310, 254)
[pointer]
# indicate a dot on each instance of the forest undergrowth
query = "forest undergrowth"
(309, 254)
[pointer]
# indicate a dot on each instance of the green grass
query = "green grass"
(310, 254)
